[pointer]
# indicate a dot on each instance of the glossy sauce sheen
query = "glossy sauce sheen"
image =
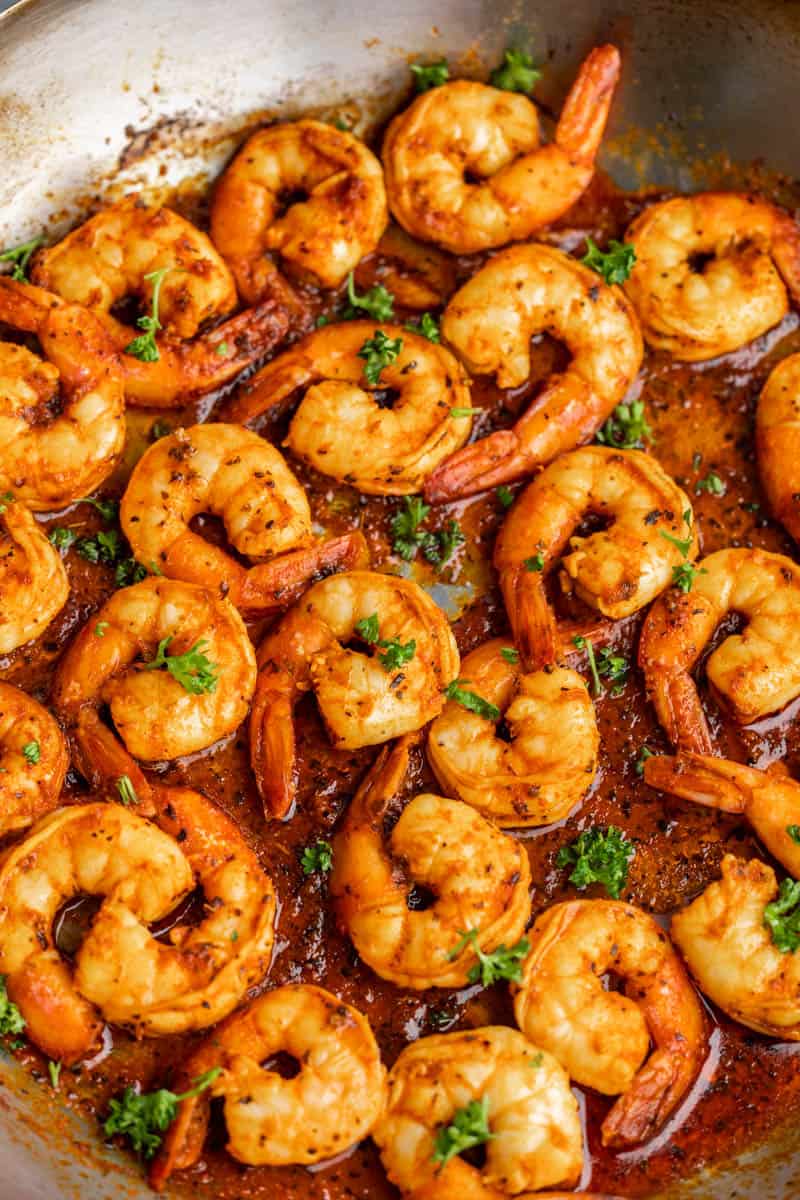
(748, 1083)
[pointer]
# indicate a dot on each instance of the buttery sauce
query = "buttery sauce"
(702, 421)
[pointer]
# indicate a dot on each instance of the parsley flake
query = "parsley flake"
(19, 257)
(430, 76)
(471, 701)
(469, 1127)
(378, 352)
(317, 858)
(503, 963)
(377, 303)
(598, 856)
(31, 753)
(517, 73)
(614, 264)
(144, 346)
(627, 428)
(192, 670)
(143, 1116)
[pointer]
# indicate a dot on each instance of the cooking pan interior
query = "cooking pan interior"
(163, 87)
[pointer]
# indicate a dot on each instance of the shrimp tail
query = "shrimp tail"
(61, 1023)
(498, 458)
(272, 742)
(24, 306)
(104, 762)
(183, 1142)
(279, 583)
(583, 118)
(705, 780)
(680, 711)
(382, 782)
(640, 1112)
(532, 619)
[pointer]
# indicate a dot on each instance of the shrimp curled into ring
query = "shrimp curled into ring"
(750, 251)
(106, 260)
(155, 716)
(332, 1103)
(489, 323)
(466, 127)
(768, 800)
(143, 870)
(33, 760)
(342, 427)
(729, 949)
(49, 464)
(617, 570)
(752, 673)
(363, 701)
(478, 875)
(549, 764)
(778, 442)
(536, 1140)
(602, 1038)
(33, 582)
(322, 237)
(240, 477)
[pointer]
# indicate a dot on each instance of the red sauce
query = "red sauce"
(702, 421)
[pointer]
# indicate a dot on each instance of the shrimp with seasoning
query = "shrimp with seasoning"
(546, 768)
(617, 570)
(751, 673)
(342, 426)
(713, 272)
(778, 442)
(142, 869)
(33, 582)
(418, 276)
(116, 255)
(332, 1103)
(320, 237)
(466, 129)
(724, 939)
(240, 477)
(603, 1038)
(49, 464)
(33, 760)
(534, 1137)
(489, 323)
(157, 716)
(479, 877)
(768, 800)
(364, 698)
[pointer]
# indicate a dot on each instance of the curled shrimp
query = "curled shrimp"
(768, 800)
(364, 699)
(713, 272)
(48, 464)
(617, 570)
(109, 258)
(778, 442)
(332, 1103)
(342, 427)
(531, 1114)
(729, 949)
(321, 237)
(33, 758)
(478, 876)
(142, 869)
(466, 128)
(33, 582)
(547, 767)
(240, 477)
(603, 1038)
(156, 716)
(419, 276)
(489, 323)
(752, 673)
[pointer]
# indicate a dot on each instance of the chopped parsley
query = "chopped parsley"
(426, 327)
(471, 701)
(19, 257)
(509, 654)
(431, 75)
(782, 917)
(31, 753)
(126, 790)
(517, 73)
(535, 563)
(143, 1116)
(502, 963)
(598, 856)
(377, 303)
(192, 670)
(11, 1019)
(614, 264)
(317, 858)
(711, 484)
(504, 495)
(627, 428)
(144, 346)
(408, 537)
(394, 653)
(378, 352)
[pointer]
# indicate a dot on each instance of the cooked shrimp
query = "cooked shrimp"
(712, 272)
(532, 1116)
(143, 870)
(769, 801)
(418, 276)
(778, 442)
(478, 876)
(156, 716)
(332, 1103)
(50, 463)
(489, 323)
(548, 766)
(468, 129)
(617, 570)
(33, 582)
(108, 259)
(364, 699)
(730, 952)
(602, 1038)
(33, 758)
(342, 426)
(321, 237)
(240, 477)
(752, 673)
